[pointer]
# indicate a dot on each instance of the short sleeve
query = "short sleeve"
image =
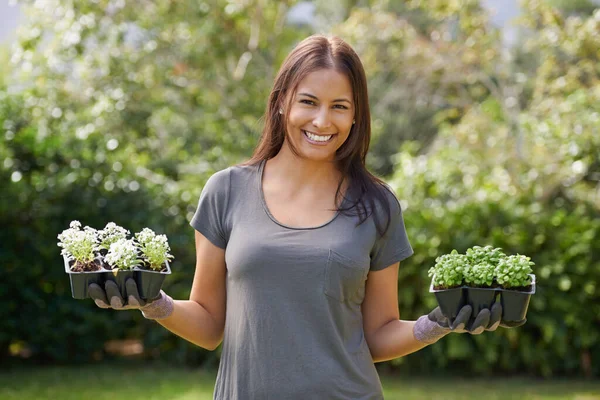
(210, 216)
(394, 245)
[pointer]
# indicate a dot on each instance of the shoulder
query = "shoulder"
(219, 181)
(388, 199)
(243, 172)
(234, 180)
(231, 174)
(387, 210)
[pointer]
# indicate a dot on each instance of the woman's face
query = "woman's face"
(321, 114)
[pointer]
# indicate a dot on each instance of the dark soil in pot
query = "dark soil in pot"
(77, 266)
(80, 280)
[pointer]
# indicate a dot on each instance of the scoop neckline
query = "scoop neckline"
(268, 212)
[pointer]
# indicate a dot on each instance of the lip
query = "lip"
(314, 142)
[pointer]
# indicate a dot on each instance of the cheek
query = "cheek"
(291, 126)
(344, 124)
(298, 117)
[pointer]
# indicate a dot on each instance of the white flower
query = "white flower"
(77, 244)
(110, 234)
(75, 225)
(123, 254)
(145, 236)
(155, 248)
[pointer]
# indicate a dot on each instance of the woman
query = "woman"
(298, 250)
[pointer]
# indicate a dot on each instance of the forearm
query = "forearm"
(193, 323)
(394, 339)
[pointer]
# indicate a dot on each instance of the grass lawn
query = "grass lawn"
(132, 382)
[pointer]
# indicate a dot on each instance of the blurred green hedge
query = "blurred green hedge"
(102, 126)
(561, 336)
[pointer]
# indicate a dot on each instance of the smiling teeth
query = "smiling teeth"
(317, 138)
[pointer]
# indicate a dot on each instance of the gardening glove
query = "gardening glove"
(432, 327)
(157, 308)
(512, 324)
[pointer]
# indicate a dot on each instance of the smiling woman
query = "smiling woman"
(318, 122)
(298, 249)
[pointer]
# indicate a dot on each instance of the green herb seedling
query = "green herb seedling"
(481, 274)
(513, 271)
(449, 270)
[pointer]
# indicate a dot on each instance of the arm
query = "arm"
(201, 319)
(387, 336)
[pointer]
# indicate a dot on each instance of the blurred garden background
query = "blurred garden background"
(114, 110)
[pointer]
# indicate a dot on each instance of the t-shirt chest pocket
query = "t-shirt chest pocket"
(345, 278)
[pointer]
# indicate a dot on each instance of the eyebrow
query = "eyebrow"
(316, 98)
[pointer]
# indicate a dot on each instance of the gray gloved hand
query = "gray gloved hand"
(512, 324)
(432, 327)
(486, 320)
(110, 297)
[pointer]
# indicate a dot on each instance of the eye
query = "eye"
(340, 107)
(309, 102)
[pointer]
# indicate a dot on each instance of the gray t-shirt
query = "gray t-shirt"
(293, 327)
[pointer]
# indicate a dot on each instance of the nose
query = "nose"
(321, 119)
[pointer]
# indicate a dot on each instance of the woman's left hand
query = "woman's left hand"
(486, 320)
(432, 327)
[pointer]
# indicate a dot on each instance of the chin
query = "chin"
(307, 151)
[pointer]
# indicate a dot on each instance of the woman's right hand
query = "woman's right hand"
(110, 297)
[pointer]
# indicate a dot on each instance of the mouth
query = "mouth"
(317, 139)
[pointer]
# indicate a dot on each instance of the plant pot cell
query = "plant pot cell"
(450, 301)
(81, 280)
(479, 299)
(120, 277)
(150, 282)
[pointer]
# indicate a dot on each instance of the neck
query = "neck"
(298, 174)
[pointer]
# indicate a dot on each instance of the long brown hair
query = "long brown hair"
(315, 53)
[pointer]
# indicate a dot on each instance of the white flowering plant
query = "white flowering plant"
(79, 245)
(123, 255)
(89, 249)
(154, 248)
(110, 234)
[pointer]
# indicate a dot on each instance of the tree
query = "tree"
(524, 178)
(424, 61)
(120, 111)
